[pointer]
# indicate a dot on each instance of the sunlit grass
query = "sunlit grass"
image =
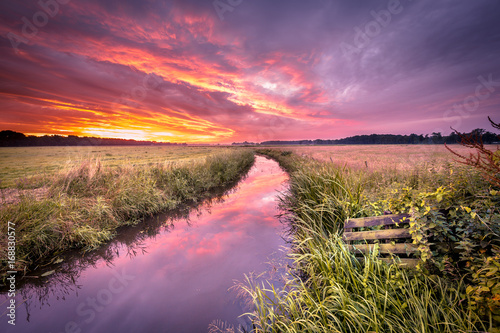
(16, 164)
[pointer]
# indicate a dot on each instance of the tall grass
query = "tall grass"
(19, 163)
(86, 203)
(328, 289)
(320, 193)
(323, 194)
(341, 294)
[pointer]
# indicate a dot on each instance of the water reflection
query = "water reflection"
(170, 274)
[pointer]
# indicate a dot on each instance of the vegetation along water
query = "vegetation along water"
(455, 224)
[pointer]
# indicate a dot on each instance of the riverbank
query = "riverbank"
(455, 224)
(86, 204)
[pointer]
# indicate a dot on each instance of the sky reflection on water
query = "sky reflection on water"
(174, 280)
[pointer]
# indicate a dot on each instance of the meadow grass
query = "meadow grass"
(455, 224)
(383, 158)
(19, 164)
(88, 201)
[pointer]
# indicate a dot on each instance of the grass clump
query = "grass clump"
(86, 203)
(319, 193)
(323, 195)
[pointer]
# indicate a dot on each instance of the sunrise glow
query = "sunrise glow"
(182, 71)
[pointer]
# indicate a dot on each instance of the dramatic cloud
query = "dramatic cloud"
(224, 71)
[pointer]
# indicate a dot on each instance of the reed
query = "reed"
(338, 293)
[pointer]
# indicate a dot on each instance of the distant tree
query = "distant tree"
(11, 135)
(14, 139)
(452, 138)
(437, 137)
(483, 159)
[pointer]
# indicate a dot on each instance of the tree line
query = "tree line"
(384, 139)
(10, 138)
(15, 139)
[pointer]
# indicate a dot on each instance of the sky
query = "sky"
(205, 71)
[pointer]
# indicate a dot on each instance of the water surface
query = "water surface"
(170, 274)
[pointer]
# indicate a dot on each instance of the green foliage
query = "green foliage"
(456, 227)
(455, 223)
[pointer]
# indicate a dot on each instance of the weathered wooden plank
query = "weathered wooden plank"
(406, 262)
(377, 234)
(384, 248)
(388, 234)
(376, 220)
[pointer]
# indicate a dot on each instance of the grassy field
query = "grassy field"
(399, 158)
(18, 163)
(455, 224)
(82, 204)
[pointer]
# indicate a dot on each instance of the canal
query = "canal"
(171, 273)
